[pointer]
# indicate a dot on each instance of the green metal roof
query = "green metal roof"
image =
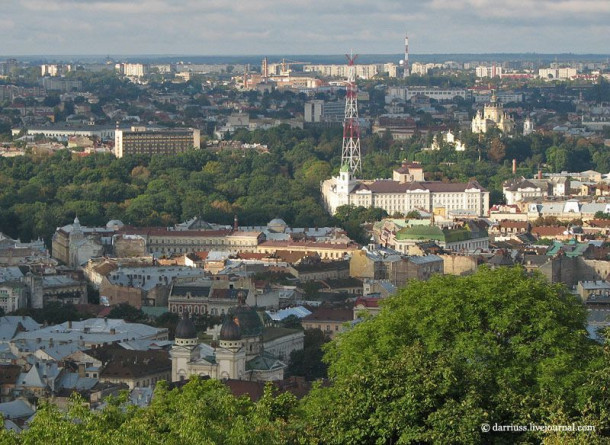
(425, 233)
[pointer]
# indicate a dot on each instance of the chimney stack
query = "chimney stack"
(539, 174)
(514, 166)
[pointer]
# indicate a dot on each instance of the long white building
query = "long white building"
(406, 191)
(407, 93)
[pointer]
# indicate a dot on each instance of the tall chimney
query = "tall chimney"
(514, 166)
(539, 174)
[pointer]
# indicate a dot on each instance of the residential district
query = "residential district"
(247, 281)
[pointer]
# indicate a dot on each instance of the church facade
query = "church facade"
(493, 116)
(239, 353)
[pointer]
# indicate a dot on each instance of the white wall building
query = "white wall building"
(488, 71)
(557, 73)
(404, 196)
(440, 94)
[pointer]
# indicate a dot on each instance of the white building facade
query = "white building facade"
(402, 197)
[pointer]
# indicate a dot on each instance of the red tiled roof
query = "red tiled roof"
(549, 231)
(385, 186)
(513, 224)
(599, 223)
(239, 388)
(252, 256)
(367, 302)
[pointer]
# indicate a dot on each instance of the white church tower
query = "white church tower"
(184, 349)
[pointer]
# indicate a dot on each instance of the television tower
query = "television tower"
(350, 153)
(406, 63)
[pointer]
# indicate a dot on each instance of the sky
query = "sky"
(268, 27)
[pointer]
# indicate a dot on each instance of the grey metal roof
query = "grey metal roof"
(298, 311)
(17, 409)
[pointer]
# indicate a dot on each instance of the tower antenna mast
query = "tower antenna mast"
(350, 153)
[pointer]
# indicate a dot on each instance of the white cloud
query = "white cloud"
(314, 27)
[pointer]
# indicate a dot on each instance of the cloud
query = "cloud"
(315, 27)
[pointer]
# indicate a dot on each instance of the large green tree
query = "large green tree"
(448, 355)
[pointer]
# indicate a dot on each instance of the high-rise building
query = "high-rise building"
(489, 71)
(132, 69)
(140, 140)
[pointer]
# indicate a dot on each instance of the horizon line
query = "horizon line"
(108, 54)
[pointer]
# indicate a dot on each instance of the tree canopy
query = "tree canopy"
(448, 355)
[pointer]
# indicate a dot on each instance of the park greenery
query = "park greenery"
(441, 360)
(40, 192)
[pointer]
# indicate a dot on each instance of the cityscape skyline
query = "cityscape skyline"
(67, 27)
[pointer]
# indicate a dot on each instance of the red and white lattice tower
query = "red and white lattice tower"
(406, 71)
(350, 154)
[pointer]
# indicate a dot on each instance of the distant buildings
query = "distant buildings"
(140, 140)
(440, 94)
(63, 131)
(54, 70)
(557, 73)
(488, 71)
(362, 71)
(320, 111)
(132, 69)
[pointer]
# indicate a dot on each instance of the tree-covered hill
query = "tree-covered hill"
(41, 192)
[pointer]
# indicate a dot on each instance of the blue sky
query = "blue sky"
(267, 27)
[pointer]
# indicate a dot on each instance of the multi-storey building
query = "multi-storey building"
(140, 140)
(132, 69)
(440, 94)
(167, 242)
(13, 296)
(321, 111)
(407, 191)
(557, 73)
(488, 71)
(362, 71)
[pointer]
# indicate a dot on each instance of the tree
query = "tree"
(308, 362)
(203, 411)
(127, 312)
(447, 355)
(497, 150)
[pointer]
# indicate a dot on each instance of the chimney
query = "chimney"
(69, 324)
(81, 370)
(539, 174)
(514, 166)
(235, 223)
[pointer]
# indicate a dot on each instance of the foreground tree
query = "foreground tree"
(446, 356)
(202, 412)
